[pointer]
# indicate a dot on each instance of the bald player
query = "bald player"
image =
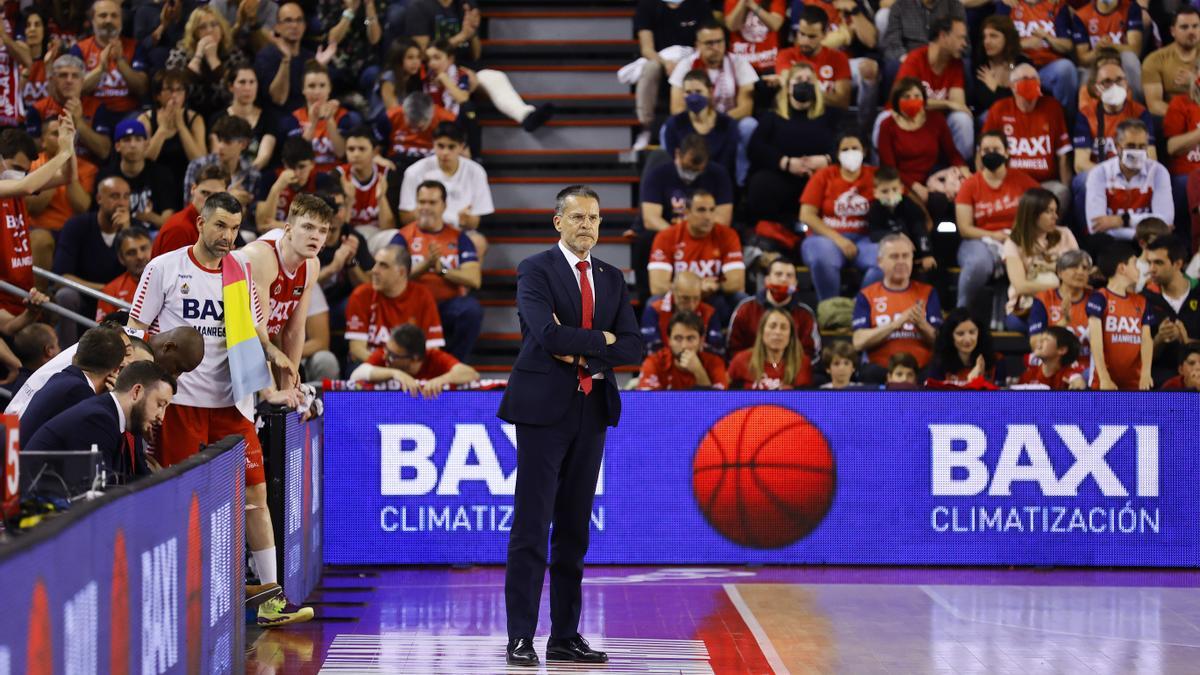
(684, 296)
(285, 267)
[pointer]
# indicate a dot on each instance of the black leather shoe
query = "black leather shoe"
(574, 649)
(520, 652)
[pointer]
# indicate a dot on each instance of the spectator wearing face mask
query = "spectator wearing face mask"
(779, 291)
(834, 207)
(1106, 106)
(790, 144)
(893, 212)
(1036, 129)
(718, 130)
(1126, 189)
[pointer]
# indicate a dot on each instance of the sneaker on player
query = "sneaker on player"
(274, 612)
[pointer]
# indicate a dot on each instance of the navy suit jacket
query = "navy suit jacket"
(540, 386)
(63, 390)
(93, 421)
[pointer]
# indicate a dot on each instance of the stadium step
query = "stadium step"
(565, 78)
(527, 192)
(568, 24)
(616, 220)
(600, 50)
(561, 133)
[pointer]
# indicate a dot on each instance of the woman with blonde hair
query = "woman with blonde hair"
(791, 143)
(207, 53)
(1031, 253)
(776, 361)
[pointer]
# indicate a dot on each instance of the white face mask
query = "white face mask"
(1133, 159)
(851, 160)
(12, 174)
(1114, 96)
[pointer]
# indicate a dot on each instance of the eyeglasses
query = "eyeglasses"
(393, 356)
(579, 219)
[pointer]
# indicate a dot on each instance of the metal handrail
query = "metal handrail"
(86, 290)
(48, 306)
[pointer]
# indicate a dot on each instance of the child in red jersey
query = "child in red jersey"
(1057, 361)
(1119, 324)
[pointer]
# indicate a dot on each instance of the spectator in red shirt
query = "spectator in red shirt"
(409, 128)
(181, 228)
(1189, 371)
(16, 257)
(420, 371)
(1045, 27)
(776, 361)
(388, 300)
(1055, 361)
(832, 66)
(444, 261)
(116, 66)
(939, 67)
(1111, 24)
(684, 296)
(713, 251)
(1036, 128)
(834, 206)
(133, 251)
(963, 352)
(779, 290)
(896, 314)
(322, 121)
(1181, 126)
(917, 142)
(754, 31)
(986, 207)
(1119, 322)
(683, 364)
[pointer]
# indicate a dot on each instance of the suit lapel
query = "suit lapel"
(603, 293)
(567, 277)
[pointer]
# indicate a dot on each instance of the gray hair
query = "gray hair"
(577, 191)
(67, 61)
(1073, 259)
(1131, 124)
(417, 106)
(895, 237)
(399, 254)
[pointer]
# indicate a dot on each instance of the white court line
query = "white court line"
(756, 629)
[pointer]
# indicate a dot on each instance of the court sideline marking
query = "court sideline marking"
(756, 629)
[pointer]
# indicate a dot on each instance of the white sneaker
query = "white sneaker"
(642, 141)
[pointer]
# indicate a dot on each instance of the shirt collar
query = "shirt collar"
(572, 259)
(121, 422)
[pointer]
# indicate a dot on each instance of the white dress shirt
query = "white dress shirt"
(573, 260)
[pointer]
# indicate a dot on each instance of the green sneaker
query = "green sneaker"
(274, 612)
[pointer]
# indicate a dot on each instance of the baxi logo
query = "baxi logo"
(763, 476)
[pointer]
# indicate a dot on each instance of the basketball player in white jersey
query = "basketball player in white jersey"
(285, 268)
(185, 288)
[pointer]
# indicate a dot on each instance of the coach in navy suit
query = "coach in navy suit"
(100, 354)
(114, 422)
(576, 325)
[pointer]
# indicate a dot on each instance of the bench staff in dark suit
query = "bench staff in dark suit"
(576, 326)
(114, 422)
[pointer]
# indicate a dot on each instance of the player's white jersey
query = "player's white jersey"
(176, 291)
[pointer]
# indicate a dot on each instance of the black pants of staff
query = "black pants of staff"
(557, 470)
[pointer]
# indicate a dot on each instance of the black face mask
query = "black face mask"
(804, 92)
(993, 160)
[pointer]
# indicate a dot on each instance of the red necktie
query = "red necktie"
(127, 443)
(585, 290)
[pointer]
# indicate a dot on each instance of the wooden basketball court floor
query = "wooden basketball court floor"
(693, 620)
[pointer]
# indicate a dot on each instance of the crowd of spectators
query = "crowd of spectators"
(936, 168)
(944, 170)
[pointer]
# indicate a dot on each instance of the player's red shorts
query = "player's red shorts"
(186, 428)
